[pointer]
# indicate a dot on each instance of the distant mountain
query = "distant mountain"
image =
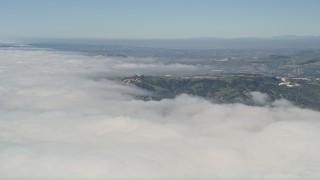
(278, 42)
(293, 37)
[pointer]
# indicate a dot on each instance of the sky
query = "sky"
(61, 117)
(145, 19)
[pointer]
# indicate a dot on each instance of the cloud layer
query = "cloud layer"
(58, 121)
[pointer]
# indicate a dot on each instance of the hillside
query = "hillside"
(231, 88)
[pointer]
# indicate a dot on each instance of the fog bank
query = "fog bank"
(58, 121)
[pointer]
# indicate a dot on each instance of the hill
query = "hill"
(233, 88)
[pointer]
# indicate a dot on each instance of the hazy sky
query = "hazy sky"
(158, 19)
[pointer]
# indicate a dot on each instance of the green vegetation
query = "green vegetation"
(232, 88)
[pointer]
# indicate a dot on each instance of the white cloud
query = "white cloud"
(59, 122)
(259, 98)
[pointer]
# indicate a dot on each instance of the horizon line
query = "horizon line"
(159, 38)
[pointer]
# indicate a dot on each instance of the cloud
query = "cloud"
(57, 121)
(259, 98)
